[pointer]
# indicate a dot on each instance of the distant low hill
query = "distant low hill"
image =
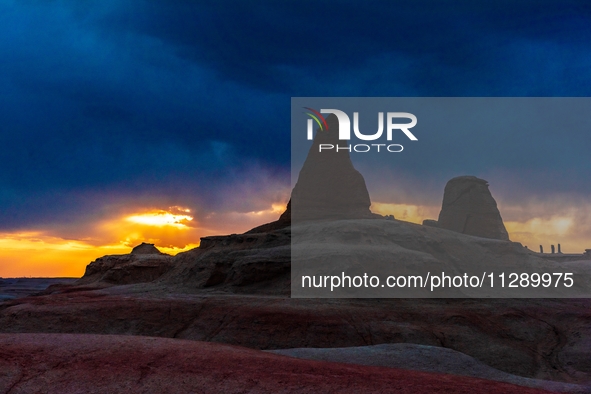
(11, 288)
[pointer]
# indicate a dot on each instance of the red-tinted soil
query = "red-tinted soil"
(65, 363)
(544, 339)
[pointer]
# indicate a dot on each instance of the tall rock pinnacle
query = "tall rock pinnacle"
(329, 187)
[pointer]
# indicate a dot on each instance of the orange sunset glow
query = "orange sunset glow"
(43, 253)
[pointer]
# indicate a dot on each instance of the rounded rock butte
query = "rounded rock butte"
(469, 208)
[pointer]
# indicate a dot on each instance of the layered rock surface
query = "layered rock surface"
(256, 262)
(251, 262)
(196, 299)
(469, 208)
(32, 363)
(145, 263)
(391, 247)
(427, 359)
(543, 339)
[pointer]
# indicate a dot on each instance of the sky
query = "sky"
(165, 121)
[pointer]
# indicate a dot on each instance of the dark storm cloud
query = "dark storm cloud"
(475, 45)
(170, 98)
(87, 110)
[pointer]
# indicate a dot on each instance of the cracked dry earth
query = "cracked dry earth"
(74, 363)
(542, 339)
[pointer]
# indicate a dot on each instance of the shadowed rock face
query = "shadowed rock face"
(328, 186)
(256, 262)
(469, 208)
(126, 268)
(145, 263)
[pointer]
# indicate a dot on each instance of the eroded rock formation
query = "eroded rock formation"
(145, 263)
(328, 186)
(469, 208)
(257, 262)
(145, 248)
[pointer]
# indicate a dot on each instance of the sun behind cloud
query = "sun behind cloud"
(173, 228)
(160, 218)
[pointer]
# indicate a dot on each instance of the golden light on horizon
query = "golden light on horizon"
(556, 225)
(275, 209)
(45, 254)
(67, 250)
(549, 231)
(531, 232)
(37, 254)
(406, 212)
